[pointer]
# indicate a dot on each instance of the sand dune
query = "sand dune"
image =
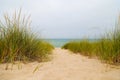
(63, 66)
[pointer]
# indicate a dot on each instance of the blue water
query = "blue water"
(61, 42)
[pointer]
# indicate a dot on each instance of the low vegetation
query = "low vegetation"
(84, 47)
(18, 43)
(107, 48)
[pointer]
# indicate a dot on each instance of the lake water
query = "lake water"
(61, 42)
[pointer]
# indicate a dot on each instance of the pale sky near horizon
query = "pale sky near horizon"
(67, 18)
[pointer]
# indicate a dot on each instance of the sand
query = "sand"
(64, 66)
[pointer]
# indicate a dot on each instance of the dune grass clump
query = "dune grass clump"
(18, 43)
(116, 41)
(45, 49)
(107, 48)
(84, 47)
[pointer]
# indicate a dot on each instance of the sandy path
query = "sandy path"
(63, 66)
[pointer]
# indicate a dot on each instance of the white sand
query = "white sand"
(63, 66)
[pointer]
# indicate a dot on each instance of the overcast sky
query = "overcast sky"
(67, 18)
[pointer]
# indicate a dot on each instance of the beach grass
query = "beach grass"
(107, 48)
(84, 47)
(18, 43)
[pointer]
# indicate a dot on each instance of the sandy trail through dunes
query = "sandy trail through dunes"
(63, 66)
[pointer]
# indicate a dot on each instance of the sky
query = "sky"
(67, 18)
